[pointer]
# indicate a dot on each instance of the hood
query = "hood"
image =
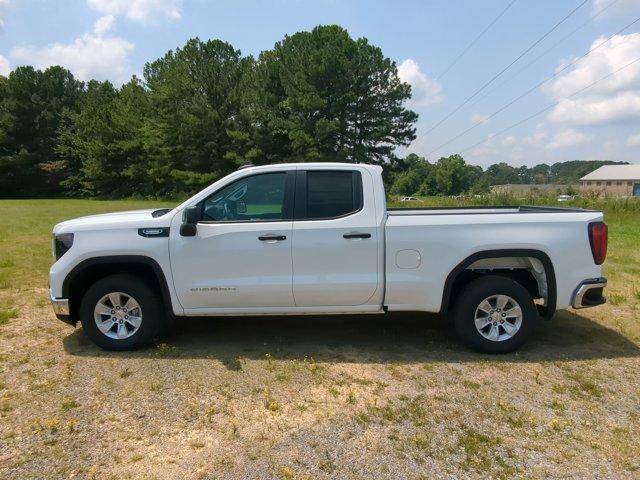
(128, 219)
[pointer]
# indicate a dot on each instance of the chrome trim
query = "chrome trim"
(60, 305)
(583, 288)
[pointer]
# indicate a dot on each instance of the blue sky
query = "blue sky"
(112, 39)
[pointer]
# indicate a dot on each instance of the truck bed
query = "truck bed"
(509, 209)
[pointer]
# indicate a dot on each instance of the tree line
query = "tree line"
(198, 113)
(203, 109)
(414, 175)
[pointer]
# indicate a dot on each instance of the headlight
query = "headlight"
(62, 243)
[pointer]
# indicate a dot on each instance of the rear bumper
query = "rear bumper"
(589, 293)
(61, 308)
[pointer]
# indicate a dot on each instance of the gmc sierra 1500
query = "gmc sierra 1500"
(317, 238)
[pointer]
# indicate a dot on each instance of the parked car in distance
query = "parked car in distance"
(565, 198)
(318, 238)
(408, 199)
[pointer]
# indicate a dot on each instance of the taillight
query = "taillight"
(598, 237)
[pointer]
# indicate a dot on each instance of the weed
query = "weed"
(285, 473)
(557, 407)
(5, 406)
(6, 315)
(269, 358)
(68, 404)
(351, 398)
(555, 424)
(234, 363)
(584, 385)
(233, 422)
(269, 402)
(125, 373)
(211, 411)
(421, 441)
(166, 350)
(471, 384)
(536, 376)
(312, 365)
(616, 298)
(71, 425)
(477, 448)
(51, 425)
(413, 411)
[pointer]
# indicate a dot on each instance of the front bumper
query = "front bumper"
(61, 308)
(589, 293)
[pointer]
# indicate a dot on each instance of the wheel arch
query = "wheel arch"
(87, 272)
(458, 272)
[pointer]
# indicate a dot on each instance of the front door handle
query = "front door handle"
(266, 238)
(357, 235)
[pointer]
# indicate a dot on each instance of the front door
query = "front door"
(636, 189)
(335, 240)
(240, 257)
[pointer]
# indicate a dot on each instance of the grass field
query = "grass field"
(290, 398)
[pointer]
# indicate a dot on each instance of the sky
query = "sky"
(516, 81)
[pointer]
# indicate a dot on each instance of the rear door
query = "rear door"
(334, 239)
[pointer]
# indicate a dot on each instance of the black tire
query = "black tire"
(153, 314)
(469, 299)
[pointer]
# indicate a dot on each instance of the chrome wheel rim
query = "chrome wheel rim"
(118, 315)
(498, 318)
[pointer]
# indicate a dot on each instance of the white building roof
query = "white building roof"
(614, 172)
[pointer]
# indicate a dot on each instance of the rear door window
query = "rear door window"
(326, 194)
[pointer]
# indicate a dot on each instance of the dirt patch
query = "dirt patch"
(319, 397)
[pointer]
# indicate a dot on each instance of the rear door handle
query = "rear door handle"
(266, 238)
(357, 235)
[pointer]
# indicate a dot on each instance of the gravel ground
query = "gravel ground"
(370, 397)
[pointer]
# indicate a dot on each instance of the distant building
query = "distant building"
(527, 188)
(613, 181)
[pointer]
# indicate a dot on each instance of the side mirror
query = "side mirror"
(190, 219)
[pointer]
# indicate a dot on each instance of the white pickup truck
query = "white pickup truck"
(317, 238)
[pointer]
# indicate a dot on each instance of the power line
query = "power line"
(495, 77)
(475, 40)
(539, 112)
(569, 35)
(535, 87)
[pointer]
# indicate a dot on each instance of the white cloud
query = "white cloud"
(5, 67)
(612, 100)
(479, 117)
(624, 106)
(633, 140)
(138, 10)
(567, 138)
(4, 6)
(535, 138)
(88, 56)
(424, 90)
(510, 140)
(103, 25)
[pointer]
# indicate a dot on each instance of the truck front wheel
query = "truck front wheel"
(121, 312)
(494, 314)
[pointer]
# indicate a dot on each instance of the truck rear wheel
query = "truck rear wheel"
(121, 312)
(494, 314)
